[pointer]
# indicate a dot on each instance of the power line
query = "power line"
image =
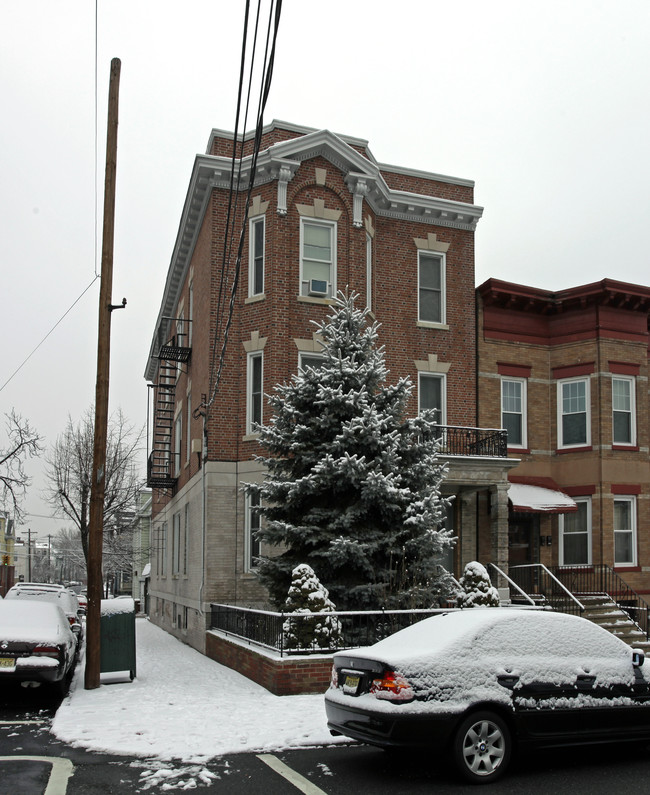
(67, 312)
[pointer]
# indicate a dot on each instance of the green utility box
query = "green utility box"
(117, 636)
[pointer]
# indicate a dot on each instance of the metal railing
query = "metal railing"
(484, 442)
(537, 579)
(602, 579)
(278, 631)
(512, 584)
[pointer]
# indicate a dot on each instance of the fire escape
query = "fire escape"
(161, 466)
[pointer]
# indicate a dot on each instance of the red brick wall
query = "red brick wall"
(286, 676)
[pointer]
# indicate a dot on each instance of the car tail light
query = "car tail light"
(392, 686)
(334, 678)
(46, 651)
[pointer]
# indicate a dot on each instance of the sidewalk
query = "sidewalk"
(186, 707)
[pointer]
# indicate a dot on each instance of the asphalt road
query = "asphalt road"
(33, 762)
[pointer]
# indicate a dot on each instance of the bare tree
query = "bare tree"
(22, 442)
(69, 472)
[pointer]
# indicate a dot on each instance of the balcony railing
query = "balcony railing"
(485, 442)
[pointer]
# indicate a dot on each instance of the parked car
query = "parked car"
(36, 643)
(479, 684)
(48, 592)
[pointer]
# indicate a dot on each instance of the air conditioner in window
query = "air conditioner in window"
(318, 287)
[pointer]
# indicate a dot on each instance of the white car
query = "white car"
(36, 643)
(56, 594)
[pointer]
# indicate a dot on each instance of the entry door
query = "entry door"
(522, 532)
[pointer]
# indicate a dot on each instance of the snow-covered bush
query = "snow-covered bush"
(477, 589)
(308, 596)
(353, 479)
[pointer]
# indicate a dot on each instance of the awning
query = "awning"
(536, 499)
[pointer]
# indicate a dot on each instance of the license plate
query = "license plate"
(7, 662)
(351, 684)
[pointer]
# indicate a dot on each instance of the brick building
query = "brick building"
(324, 215)
(567, 374)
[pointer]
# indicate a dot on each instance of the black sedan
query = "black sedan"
(37, 644)
(477, 684)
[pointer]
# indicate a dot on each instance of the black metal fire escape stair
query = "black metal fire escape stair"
(160, 467)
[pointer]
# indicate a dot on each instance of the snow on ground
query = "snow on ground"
(184, 706)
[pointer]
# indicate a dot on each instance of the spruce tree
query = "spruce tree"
(353, 484)
(477, 589)
(308, 596)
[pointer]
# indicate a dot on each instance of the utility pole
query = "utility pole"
(29, 554)
(98, 484)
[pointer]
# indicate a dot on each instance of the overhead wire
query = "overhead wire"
(267, 73)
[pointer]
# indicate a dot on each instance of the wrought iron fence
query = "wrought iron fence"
(486, 442)
(544, 587)
(286, 633)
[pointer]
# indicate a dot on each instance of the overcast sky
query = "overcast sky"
(545, 105)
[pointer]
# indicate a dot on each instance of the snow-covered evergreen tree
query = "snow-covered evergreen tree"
(307, 596)
(353, 486)
(477, 589)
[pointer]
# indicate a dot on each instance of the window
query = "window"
(256, 257)
(190, 314)
(254, 402)
(573, 413)
(431, 287)
(368, 271)
(432, 395)
(513, 410)
(163, 550)
(188, 440)
(625, 531)
(253, 524)
(176, 544)
(318, 258)
(178, 444)
(310, 360)
(623, 411)
(575, 535)
(186, 536)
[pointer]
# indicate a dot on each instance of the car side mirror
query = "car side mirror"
(638, 658)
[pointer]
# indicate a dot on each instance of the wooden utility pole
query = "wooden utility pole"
(98, 485)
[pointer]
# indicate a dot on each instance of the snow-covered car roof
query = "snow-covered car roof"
(477, 628)
(33, 621)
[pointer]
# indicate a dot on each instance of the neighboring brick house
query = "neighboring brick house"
(324, 215)
(567, 374)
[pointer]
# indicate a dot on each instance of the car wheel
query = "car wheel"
(482, 747)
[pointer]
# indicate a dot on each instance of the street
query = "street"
(32, 762)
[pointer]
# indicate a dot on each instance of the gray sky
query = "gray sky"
(544, 105)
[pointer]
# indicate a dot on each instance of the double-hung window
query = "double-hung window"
(253, 524)
(623, 411)
(254, 392)
(256, 257)
(186, 537)
(368, 271)
(317, 258)
(513, 410)
(431, 287)
(432, 395)
(162, 550)
(575, 535)
(310, 360)
(176, 544)
(574, 421)
(178, 444)
(625, 531)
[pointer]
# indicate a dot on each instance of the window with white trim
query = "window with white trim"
(254, 391)
(513, 410)
(369, 271)
(623, 410)
(574, 414)
(186, 537)
(253, 524)
(256, 256)
(178, 444)
(176, 543)
(190, 303)
(188, 434)
(575, 535)
(625, 531)
(310, 360)
(317, 258)
(432, 395)
(162, 548)
(431, 287)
